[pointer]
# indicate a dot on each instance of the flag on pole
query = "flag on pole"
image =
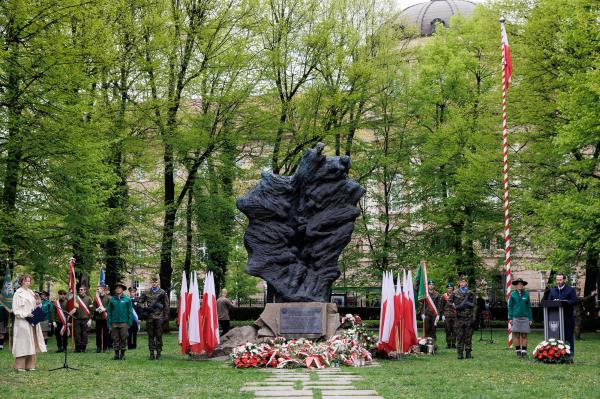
(506, 75)
(387, 312)
(506, 57)
(194, 318)
(101, 280)
(412, 307)
(423, 292)
(8, 291)
(182, 315)
(209, 319)
(72, 288)
(410, 321)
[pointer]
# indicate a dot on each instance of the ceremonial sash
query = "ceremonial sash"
(136, 319)
(61, 316)
(83, 306)
(99, 305)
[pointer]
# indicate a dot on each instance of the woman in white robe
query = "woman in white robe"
(27, 339)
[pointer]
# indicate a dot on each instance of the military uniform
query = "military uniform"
(81, 321)
(103, 340)
(61, 340)
(449, 313)
(156, 304)
(464, 303)
(120, 318)
(430, 317)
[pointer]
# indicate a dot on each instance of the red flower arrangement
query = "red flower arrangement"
(552, 351)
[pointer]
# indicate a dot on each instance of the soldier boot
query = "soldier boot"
(151, 357)
(468, 354)
(122, 354)
(157, 357)
(116, 355)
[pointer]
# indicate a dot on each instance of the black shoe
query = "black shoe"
(454, 346)
(152, 357)
(59, 350)
(116, 355)
(98, 350)
(122, 355)
(83, 349)
(157, 357)
(460, 355)
(468, 355)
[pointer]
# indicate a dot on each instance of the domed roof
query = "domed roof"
(426, 15)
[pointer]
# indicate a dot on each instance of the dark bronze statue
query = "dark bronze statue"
(299, 225)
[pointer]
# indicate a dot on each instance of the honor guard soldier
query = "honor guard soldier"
(449, 317)
(82, 313)
(156, 310)
(463, 300)
(133, 329)
(120, 318)
(101, 300)
(427, 315)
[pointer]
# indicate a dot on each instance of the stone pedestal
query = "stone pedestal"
(312, 320)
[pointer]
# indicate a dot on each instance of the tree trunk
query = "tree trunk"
(592, 272)
(166, 270)
(187, 265)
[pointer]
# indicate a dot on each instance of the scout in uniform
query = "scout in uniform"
(61, 340)
(520, 315)
(120, 317)
(463, 300)
(48, 310)
(82, 313)
(449, 317)
(133, 329)
(156, 309)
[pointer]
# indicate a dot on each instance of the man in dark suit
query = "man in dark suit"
(567, 295)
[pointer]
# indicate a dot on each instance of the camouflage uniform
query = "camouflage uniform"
(449, 313)
(464, 303)
(430, 327)
(157, 311)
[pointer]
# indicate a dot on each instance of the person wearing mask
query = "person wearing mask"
(568, 297)
(120, 318)
(463, 301)
(449, 317)
(28, 340)
(224, 305)
(520, 316)
(157, 312)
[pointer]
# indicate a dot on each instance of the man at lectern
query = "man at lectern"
(567, 295)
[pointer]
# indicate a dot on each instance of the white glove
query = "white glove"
(89, 323)
(422, 317)
(437, 318)
(54, 324)
(443, 318)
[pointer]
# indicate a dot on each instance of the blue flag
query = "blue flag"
(7, 292)
(101, 281)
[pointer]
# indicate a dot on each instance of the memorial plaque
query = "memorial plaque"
(301, 320)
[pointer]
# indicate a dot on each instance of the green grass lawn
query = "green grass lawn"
(495, 372)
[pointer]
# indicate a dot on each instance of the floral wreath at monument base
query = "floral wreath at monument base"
(553, 351)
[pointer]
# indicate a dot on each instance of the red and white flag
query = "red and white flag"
(194, 319)
(100, 306)
(182, 315)
(506, 58)
(412, 313)
(61, 317)
(425, 283)
(387, 317)
(209, 321)
(72, 294)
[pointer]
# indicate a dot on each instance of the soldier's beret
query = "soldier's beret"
(430, 282)
(449, 285)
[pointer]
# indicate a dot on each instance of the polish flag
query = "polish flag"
(410, 319)
(182, 315)
(387, 312)
(396, 337)
(194, 320)
(209, 321)
(506, 58)
(71, 296)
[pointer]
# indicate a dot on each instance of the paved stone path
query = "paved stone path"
(301, 384)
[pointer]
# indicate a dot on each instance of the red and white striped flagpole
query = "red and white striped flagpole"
(506, 73)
